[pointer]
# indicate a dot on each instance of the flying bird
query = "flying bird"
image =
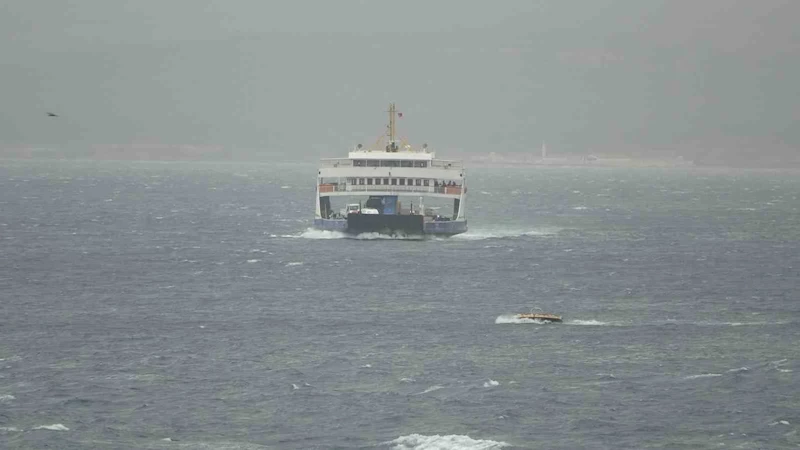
(52, 115)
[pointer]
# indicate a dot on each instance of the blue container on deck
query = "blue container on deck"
(390, 204)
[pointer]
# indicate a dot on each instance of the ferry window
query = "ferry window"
(360, 181)
(402, 181)
(373, 163)
(426, 182)
(406, 163)
(377, 181)
(420, 163)
(394, 181)
(386, 163)
(369, 181)
(385, 181)
(359, 163)
(418, 182)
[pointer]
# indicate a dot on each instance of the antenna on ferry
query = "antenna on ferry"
(391, 122)
(391, 128)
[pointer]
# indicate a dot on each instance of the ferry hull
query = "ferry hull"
(390, 225)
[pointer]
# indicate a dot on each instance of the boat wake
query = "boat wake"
(313, 233)
(590, 323)
(479, 235)
(454, 442)
(513, 318)
(476, 235)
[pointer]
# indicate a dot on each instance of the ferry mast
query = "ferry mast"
(390, 129)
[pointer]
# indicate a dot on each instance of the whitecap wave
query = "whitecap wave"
(294, 263)
(6, 398)
(780, 422)
(9, 429)
(491, 383)
(430, 389)
(53, 427)
(449, 442)
(735, 324)
(703, 375)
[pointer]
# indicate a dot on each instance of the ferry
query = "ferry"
(390, 189)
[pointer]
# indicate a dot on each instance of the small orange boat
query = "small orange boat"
(542, 317)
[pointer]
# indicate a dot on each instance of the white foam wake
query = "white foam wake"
(472, 235)
(378, 236)
(312, 233)
(512, 318)
(449, 442)
(591, 322)
(477, 235)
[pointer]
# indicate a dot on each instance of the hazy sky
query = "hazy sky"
(314, 77)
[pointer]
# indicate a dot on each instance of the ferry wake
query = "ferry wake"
(379, 187)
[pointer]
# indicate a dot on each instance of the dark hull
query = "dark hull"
(392, 227)
(390, 224)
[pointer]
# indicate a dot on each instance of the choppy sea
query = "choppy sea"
(190, 306)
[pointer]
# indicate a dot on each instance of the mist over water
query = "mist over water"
(708, 82)
(165, 305)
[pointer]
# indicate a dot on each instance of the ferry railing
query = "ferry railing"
(336, 162)
(346, 162)
(446, 164)
(451, 190)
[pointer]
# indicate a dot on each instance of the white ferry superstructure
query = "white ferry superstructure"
(393, 180)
